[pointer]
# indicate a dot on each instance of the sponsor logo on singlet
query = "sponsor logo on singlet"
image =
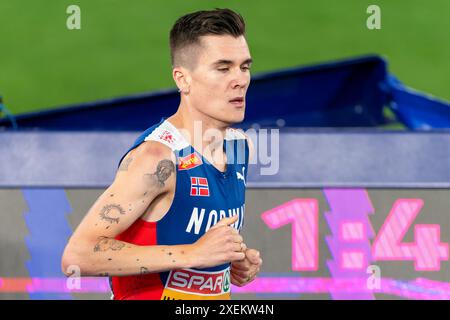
(197, 284)
(189, 162)
(241, 176)
(167, 136)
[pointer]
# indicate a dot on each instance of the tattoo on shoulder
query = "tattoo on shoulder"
(105, 244)
(124, 164)
(163, 171)
(111, 212)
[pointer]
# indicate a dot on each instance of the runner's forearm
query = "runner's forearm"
(110, 257)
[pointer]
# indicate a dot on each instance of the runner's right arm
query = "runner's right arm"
(146, 173)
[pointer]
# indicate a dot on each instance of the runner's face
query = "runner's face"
(221, 77)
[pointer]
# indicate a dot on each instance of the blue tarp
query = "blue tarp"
(416, 109)
(350, 93)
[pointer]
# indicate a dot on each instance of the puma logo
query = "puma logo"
(241, 176)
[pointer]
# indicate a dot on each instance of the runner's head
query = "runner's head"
(211, 63)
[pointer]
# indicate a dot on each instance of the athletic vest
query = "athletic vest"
(203, 196)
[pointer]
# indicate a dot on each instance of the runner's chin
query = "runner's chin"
(235, 112)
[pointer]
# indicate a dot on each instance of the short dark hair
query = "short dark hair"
(189, 28)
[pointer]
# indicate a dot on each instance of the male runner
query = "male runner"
(168, 226)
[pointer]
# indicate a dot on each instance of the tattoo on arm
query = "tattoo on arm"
(163, 171)
(124, 164)
(110, 211)
(105, 244)
(144, 270)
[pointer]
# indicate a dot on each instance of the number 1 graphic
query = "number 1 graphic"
(303, 215)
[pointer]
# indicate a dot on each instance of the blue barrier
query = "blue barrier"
(418, 110)
(348, 93)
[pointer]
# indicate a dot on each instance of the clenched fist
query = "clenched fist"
(220, 244)
(244, 271)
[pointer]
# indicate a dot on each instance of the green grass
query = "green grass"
(122, 47)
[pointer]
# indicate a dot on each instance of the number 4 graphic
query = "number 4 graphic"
(426, 251)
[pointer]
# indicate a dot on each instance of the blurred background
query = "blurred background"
(357, 145)
(123, 49)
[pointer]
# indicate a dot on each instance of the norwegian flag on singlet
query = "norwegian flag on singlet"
(199, 187)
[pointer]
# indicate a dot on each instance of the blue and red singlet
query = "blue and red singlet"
(203, 196)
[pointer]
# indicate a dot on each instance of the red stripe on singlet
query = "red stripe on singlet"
(139, 287)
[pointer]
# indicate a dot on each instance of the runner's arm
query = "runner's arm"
(145, 173)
